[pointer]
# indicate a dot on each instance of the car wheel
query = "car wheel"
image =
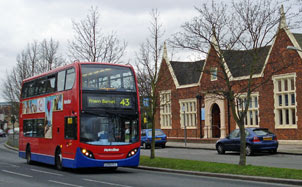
(248, 150)
(58, 159)
(163, 145)
(220, 149)
(274, 151)
(28, 155)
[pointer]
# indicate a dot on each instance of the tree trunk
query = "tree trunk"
(242, 161)
(153, 141)
(153, 109)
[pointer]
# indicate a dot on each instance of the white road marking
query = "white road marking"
(6, 164)
(41, 171)
(20, 174)
(63, 183)
(108, 183)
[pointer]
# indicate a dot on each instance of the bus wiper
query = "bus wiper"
(101, 114)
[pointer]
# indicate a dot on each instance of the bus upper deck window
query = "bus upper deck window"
(70, 78)
(61, 81)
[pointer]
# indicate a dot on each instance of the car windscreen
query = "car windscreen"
(108, 130)
(262, 132)
(157, 133)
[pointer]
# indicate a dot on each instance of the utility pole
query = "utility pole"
(13, 120)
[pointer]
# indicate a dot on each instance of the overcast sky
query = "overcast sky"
(22, 22)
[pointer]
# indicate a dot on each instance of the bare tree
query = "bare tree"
(147, 67)
(245, 25)
(35, 59)
(32, 53)
(49, 56)
(91, 44)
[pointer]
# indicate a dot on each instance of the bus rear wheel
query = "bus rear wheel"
(58, 160)
(28, 155)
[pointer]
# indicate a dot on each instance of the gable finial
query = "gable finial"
(214, 42)
(165, 52)
(282, 24)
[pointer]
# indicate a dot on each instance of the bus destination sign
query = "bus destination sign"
(117, 101)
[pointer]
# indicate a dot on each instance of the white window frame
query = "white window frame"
(284, 108)
(213, 72)
(252, 109)
(165, 110)
(190, 107)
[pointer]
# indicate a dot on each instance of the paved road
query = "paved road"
(260, 159)
(14, 172)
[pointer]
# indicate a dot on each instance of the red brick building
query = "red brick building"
(185, 99)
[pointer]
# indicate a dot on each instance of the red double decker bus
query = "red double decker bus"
(81, 115)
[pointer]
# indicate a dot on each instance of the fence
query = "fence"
(13, 140)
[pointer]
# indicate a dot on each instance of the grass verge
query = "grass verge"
(213, 167)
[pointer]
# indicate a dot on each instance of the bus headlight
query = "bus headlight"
(87, 153)
(132, 152)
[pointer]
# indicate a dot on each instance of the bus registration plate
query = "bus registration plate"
(111, 164)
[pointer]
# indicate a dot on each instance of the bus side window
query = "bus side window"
(70, 78)
(70, 128)
(61, 81)
(50, 84)
(27, 128)
(33, 128)
(31, 90)
(25, 90)
(41, 85)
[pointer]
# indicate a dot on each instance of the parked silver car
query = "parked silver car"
(2, 133)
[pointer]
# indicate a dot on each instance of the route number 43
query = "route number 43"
(125, 102)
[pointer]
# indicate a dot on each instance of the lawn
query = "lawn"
(213, 167)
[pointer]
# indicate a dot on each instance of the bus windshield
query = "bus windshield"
(107, 78)
(108, 130)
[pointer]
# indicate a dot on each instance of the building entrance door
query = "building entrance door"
(215, 121)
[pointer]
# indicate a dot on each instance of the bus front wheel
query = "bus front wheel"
(28, 155)
(58, 159)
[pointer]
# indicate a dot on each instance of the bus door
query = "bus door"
(70, 136)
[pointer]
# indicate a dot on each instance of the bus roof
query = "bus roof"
(71, 65)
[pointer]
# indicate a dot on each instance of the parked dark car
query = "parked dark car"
(257, 140)
(2, 133)
(146, 138)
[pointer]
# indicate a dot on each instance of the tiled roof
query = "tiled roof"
(298, 38)
(187, 72)
(239, 61)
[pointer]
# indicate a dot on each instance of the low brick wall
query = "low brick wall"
(192, 140)
(13, 140)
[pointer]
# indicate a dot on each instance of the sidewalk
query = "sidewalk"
(283, 148)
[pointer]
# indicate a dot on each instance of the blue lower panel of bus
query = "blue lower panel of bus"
(82, 161)
(39, 157)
